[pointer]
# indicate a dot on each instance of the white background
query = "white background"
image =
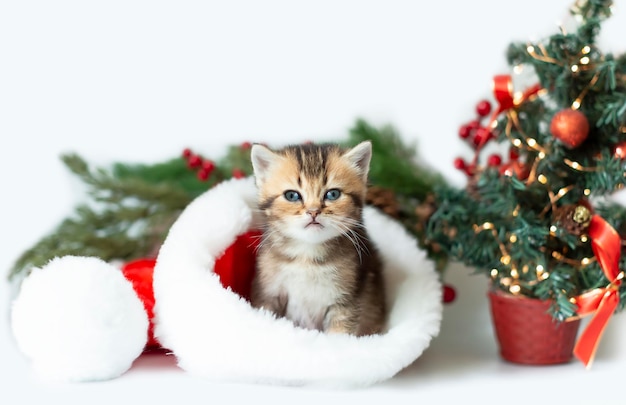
(137, 81)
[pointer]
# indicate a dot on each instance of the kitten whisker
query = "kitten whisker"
(357, 239)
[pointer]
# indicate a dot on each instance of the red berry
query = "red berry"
(470, 170)
(194, 161)
(513, 153)
(482, 136)
(449, 294)
(483, 108)
(186, 153)
(246, 145)
(203, 175)
(238, 174)
(494, 160)
(208, 165)
(460, 164)
(474, 124)
(465, 131)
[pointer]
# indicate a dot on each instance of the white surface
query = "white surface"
(139, 81)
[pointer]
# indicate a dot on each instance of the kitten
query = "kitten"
(315, 263)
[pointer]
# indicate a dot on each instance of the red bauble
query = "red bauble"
(570, 127)
(139, 273)
(449, 294)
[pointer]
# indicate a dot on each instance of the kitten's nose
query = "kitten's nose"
(313, 213)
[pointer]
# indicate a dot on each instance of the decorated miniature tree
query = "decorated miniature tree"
(536, 215)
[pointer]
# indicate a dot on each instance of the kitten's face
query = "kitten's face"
(312, 193)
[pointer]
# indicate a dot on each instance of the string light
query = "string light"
(515, 289)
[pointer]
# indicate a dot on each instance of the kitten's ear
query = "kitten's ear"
(262, 158)
(360, 157)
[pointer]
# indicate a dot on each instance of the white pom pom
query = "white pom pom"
(79, 319)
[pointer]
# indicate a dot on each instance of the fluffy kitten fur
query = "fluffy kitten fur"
(315, 263)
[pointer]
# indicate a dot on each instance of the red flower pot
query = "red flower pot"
(527, 333)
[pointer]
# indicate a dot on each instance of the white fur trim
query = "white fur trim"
(79, 319)
(216, 334)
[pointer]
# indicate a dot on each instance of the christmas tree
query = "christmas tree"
(536, 215)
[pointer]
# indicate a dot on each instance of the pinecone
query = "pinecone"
(573, 218)
(383, 199)
(426, 208)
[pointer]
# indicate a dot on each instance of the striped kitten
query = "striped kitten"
(315, 263)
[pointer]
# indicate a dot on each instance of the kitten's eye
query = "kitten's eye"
(292, 196)
(332, 194)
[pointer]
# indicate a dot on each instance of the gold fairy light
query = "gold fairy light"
(532, 51)
(585, 261)
(513, 238)
(584, 238)
(517, 143)
(553, 230)
(544, 276)
(488, 226)
(539, 268)
(574, 68)
(515, 289)
(577, 166)
(585, 60)
(542, 179)
(514, 273)
(576, 104)
(586, 49)
(494, 273)
(587, 192)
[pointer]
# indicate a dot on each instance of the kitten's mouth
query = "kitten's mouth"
(314, 223)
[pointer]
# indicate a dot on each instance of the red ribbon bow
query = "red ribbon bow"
(602, 302)
(503, 93)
